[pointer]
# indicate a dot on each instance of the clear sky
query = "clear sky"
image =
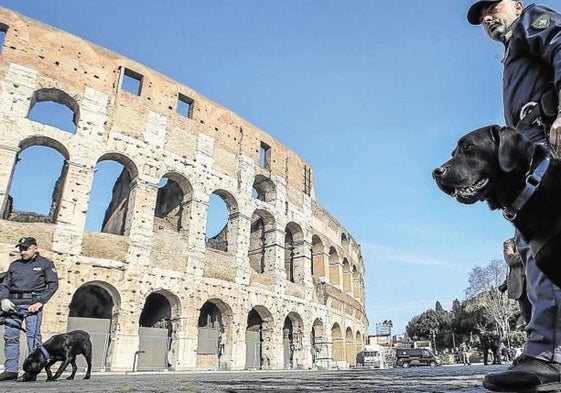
(373, 94)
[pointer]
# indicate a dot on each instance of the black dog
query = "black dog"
(501, 166)
(60, 347)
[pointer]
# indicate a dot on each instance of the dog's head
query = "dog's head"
(488, 164)
(33, 364)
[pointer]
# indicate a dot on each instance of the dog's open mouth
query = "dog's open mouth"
(472, 193)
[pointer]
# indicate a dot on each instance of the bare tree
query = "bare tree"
(483, 286)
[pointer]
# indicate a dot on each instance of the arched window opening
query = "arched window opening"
(109, 198)
(317, 258)
(55, 108)
(334, 267)
(35, 194)
(294, 255)
(289, 255)
(264, 189)
(261, 239)
(171, 202)
(217, 223)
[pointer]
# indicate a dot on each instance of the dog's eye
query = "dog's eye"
(466, 148)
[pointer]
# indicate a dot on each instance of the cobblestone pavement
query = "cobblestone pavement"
(464, 379)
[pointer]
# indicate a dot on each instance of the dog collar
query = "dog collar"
(533, 181)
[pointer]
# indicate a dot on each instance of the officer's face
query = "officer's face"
(496, 18)
(27, 253)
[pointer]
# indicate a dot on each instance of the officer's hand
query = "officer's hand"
(555, 135)
(7, 305)
(35, 307)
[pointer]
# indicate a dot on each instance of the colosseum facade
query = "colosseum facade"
(280, 286)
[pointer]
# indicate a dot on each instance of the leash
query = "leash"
(22, 314)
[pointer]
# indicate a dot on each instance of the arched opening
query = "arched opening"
(221, 214)
(350, 347)
(55, 108)
(261, 240)
(359, 344)
(337, 347)
(264, 189)
(155, 333)
(292, 341)
(319, 345)
(257, 336)
(347, 286)
(108, 211)
(35, 195)
(334, 267)
(94, 308)
(344, 241)
(294, 255)
(318, 257)
(212, 336)
(173, 203)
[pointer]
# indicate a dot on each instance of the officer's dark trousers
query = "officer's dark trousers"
(11, 338)
(544, 328)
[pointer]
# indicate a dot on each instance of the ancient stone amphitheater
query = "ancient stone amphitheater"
(280, 286)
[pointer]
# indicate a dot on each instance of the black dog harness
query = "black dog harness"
(533, 181)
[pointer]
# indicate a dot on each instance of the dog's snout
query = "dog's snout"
(438, 172)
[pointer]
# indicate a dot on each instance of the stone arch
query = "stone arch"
(157, 333)
(261, 241)
(225, 239)
(334, 267)
(294, 254)
(350, 346)
(359, 343)
(347, 284)
(173, 203)
(356, 281)
(318, 257)
(118, 213)
(337, 346)
(344, 241)
(258, 338)
(95, 308)
(292, 340)
(215, 336)
(52, 157)
(264, 189)
(55, 99)
(318, 344)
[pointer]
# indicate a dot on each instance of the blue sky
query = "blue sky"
(373, 94)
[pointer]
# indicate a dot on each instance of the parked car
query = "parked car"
(411, 357)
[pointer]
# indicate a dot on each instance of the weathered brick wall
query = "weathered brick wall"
(213, 150)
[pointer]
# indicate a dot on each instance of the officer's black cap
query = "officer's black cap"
(25, 242)
(474, 12)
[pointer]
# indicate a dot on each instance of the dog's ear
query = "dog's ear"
(514, 149)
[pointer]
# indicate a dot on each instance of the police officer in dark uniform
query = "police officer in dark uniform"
(531, 84)
(29, 283)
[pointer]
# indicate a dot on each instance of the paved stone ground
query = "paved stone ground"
(464, 379)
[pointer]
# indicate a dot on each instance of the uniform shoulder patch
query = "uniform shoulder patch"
(541, 22)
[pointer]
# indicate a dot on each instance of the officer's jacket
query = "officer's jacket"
(532, 59)
(37, 275)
